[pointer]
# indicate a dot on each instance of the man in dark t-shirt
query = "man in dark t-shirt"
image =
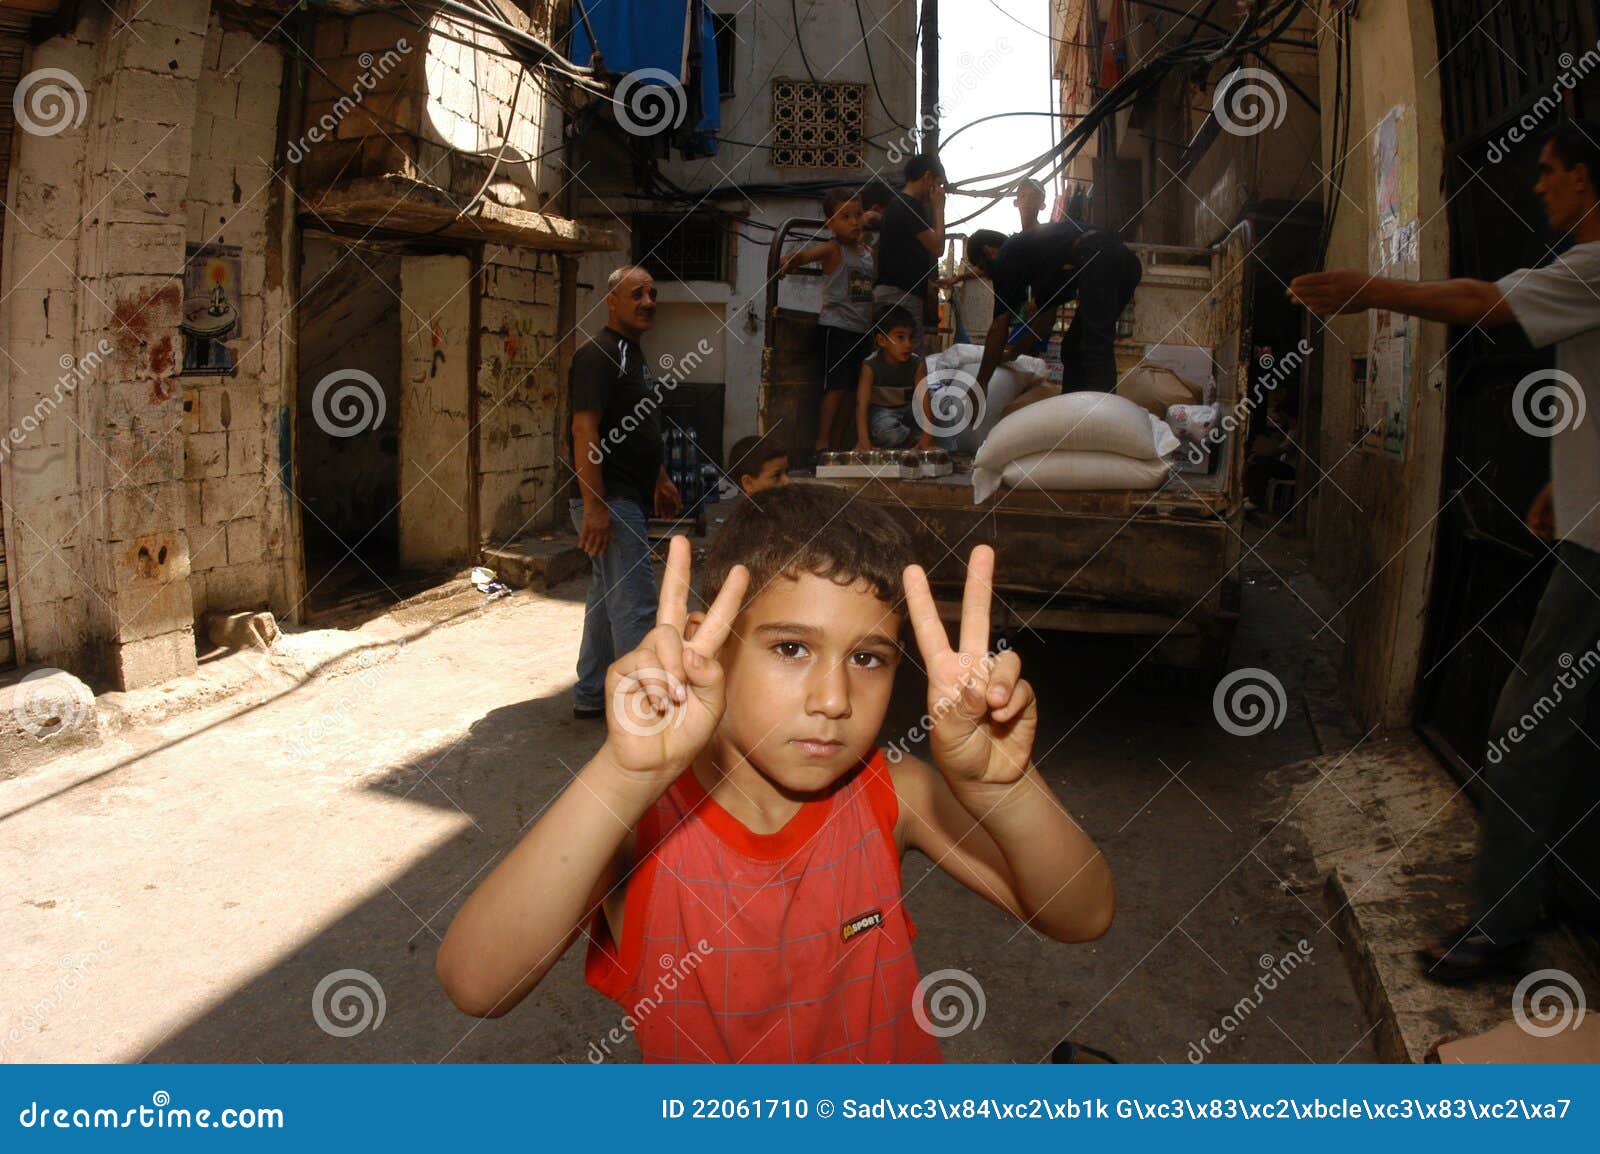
(1056, 262)
(616, 451)
(910, 240)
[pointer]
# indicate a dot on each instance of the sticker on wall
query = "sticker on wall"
(210, 309)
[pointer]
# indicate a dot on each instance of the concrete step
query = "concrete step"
(537, 561)
(1394, 838)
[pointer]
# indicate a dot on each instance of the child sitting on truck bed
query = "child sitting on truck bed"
(888, 389)
(845, 321)
(733, 849)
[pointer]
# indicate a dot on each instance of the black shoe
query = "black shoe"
(1467, 955)
(579, 713)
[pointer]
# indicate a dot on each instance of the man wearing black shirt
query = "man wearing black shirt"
(910, 240)
(1057, 262)
(616, 451)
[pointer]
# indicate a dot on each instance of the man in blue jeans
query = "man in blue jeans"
(1537, 741)
(616, 451)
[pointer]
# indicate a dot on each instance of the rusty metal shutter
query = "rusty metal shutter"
(12, 48)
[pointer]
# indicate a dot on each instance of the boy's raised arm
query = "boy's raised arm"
(663, 703)
(1028, 855)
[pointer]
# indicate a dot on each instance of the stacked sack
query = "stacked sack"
(1083, 440)
(971, 420)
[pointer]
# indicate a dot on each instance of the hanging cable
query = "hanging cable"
(800, 41)
(866, 46)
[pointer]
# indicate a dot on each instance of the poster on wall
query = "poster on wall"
(211, 289)
(1392, 338)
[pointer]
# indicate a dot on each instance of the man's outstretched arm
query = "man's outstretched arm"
(1461, 301)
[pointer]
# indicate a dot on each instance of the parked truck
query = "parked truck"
(1162, 565)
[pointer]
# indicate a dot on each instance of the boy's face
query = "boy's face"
(810, 666)
(896, 344)
(774, 472)
(845, 223)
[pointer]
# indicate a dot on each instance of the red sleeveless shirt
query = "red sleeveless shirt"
(785, 947)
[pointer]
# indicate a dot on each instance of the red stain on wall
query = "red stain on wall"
(142, 329)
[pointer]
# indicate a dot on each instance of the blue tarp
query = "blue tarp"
(635, 34)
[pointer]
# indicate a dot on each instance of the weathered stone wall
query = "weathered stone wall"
(238, 509)
(521, 392)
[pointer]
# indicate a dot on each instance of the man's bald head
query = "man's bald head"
(631, 300)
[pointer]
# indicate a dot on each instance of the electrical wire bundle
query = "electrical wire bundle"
(1261, 27)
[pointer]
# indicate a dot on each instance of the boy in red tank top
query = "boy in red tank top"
(733, 850)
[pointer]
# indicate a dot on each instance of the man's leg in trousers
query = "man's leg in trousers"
(1535, 748)
(631, 595)
(594, 651)
(1093, 360)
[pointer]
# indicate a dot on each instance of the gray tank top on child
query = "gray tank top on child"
(892, 385)
(847, 291)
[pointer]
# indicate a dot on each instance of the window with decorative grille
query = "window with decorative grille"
(818, 125)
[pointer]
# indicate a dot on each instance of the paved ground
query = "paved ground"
(179, 895)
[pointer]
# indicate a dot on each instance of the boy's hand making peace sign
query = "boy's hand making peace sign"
(665, 698)
(984, 715)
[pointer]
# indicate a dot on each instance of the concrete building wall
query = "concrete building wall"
(1373, 518)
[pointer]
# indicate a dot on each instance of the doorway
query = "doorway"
(382, 418)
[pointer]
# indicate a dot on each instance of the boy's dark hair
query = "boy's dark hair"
(893, 317)
(980, 240)
(922, 164)
(751, 454)
(875, 194)
(836, 198)
(1576, 142)
(1028, 184)
(807, 528)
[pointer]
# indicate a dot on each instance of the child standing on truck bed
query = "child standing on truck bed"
(845, 322)
(888, 387)
(733, 849)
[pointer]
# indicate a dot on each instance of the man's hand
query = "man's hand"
(1541, 515)
(594, 538)
(925, 442)
(668, 503)
(985, 715)
(863, 445)
(664, 699)
(1329, 293)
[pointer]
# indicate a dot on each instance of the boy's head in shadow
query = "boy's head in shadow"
(758, 464)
